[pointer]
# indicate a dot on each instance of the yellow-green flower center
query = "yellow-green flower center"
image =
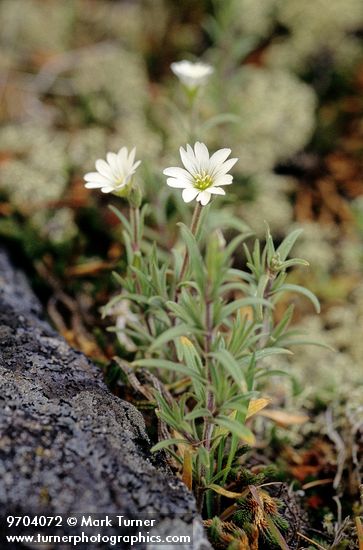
(202, 181)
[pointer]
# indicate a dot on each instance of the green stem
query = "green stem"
(193, 228)
(266, 321)
(208, 426)
(135, 222)
(194, 115)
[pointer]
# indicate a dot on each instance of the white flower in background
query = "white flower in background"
(203, 176)
(115, 173)
(191, 74)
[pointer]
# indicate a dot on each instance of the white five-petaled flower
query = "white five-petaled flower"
(191, 74)
(115, 173)
(203, 176)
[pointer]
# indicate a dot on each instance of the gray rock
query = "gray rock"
(67, 445)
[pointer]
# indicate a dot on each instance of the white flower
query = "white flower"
(115, 174)
(191, 74)
(204, 176)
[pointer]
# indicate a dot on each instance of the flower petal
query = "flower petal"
(136, 165)
(188, 159)
(107, 189)
(132, 156)
(178, 183)
(121, 160)
(201, 154)
(96, 176)
(225, 167)
(204, 197)
(94, 184)
(218, 158)
(112, 161)
(179, 173)
(224, 179)
(216, 191)
(103, 168)
(189, 194)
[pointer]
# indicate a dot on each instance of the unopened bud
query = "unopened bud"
(135, 196)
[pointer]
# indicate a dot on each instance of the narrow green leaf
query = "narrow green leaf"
(168, 443)
(293, 262)
(222, 118)
(306, 342)
(195, 257)
(272, 372)
(243, 302)
(300, 290)
(287, 244)
(239, 274)
(170, 334)
(236, 428)
(168, 365)
(276, 533)
(267, 352)
(198, 413)
(121, 217)
(283, 324)
(231, 247)
(226, 359)
(121, 281)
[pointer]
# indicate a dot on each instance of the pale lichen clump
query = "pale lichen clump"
(313, 28)
(277, 117)
(87, 143)
(254, 18)
(317, 27)
(104, 79)
(41, 26)
(318, 245)
(56, 226)
(327, 251)
(113, 71)
(328, 371)
(28, 177)
(270, 203)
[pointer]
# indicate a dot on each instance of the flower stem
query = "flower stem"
(265, 330)
(135, 221)
(210, 405)
(208, 427)
(193, 228)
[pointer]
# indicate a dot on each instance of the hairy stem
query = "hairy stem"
(208, 426)
(193, 228)
(135, 221)
(265, 330)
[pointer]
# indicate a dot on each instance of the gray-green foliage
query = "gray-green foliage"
(205, 330)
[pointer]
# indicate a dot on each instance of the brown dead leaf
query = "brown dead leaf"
(187, 476)
(256, 405)
(89, 268)
(283, 418)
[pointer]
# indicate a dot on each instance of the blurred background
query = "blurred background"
(81, 77)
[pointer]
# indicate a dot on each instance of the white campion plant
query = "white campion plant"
(205, 326)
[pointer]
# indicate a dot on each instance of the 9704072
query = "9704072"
(37, 521)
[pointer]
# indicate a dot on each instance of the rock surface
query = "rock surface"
(66, 443)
